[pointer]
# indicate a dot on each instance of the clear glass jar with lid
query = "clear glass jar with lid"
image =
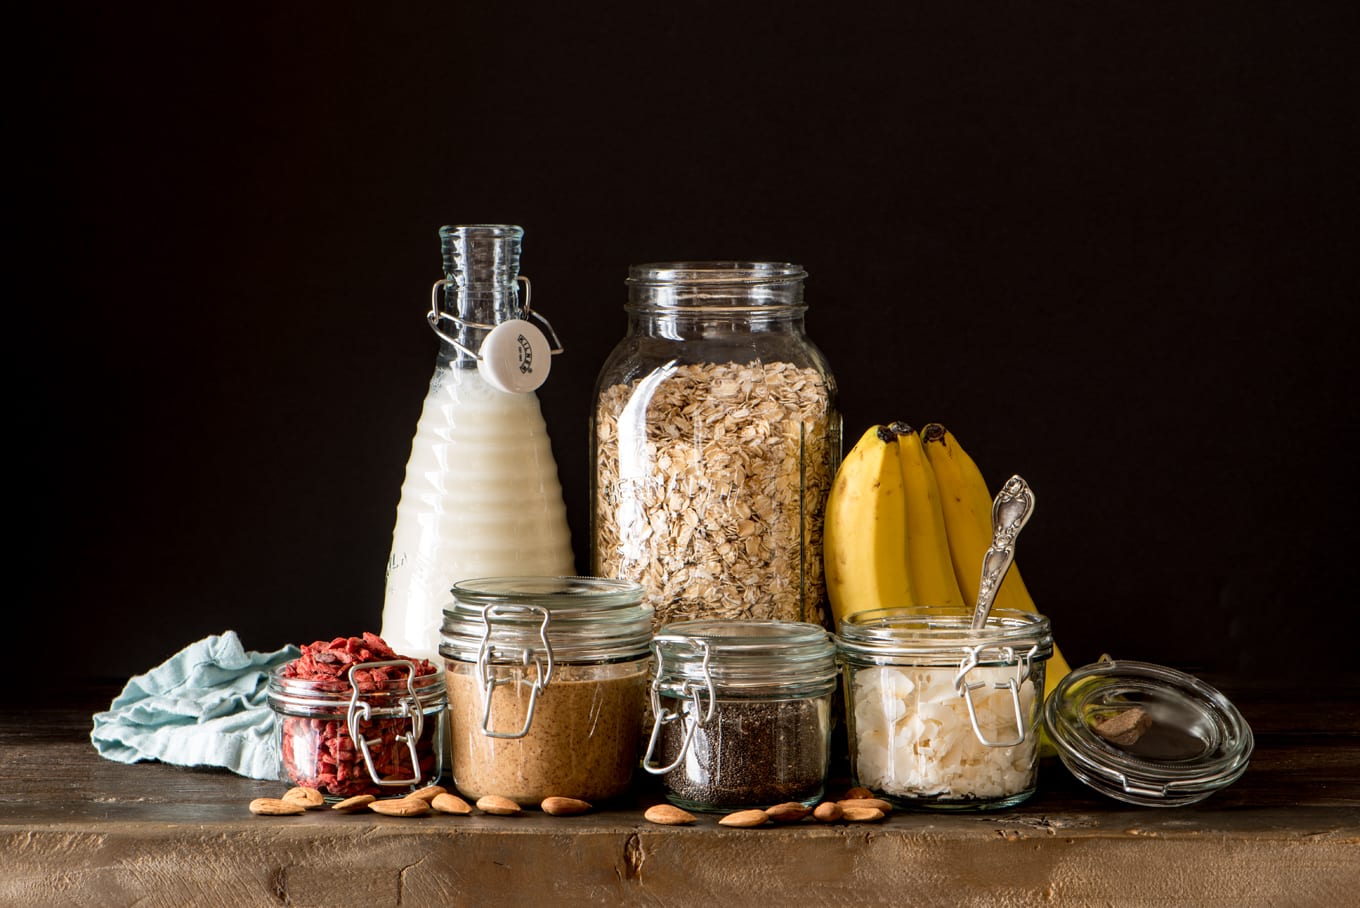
(547, 683)
(376, 729)
(715, 437)
(741, 713)
(940, 715)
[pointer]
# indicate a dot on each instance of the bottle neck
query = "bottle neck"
(481, 272)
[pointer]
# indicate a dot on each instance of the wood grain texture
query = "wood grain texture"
(78, 830)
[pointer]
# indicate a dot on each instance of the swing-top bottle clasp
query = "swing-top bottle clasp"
(515, 355)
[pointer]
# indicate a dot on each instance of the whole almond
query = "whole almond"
(401, 807)
(857, 792)
(427, 794)
(878, 803)
(745, 819)
(861, 814)
(564, 807)
(791, 812)
(827, 812)
(349, 805)
(276, 807)
(668, 815)
(307, 797)
(498, 806)
(447, 802)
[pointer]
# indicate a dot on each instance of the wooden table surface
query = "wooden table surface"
(79, 830)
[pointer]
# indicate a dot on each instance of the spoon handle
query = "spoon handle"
(1010, 512)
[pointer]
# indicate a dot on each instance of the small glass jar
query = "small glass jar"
(355, 737)
(942, 716)
(715, 437)
(547, 680)
(741, 713)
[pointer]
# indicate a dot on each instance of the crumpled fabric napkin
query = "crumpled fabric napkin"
(204, 706)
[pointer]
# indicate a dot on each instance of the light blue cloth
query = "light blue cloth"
(204, 706)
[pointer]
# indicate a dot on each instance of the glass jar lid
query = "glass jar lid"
(1147, 734)
(564, 619)
(941, 635)
(745, 655)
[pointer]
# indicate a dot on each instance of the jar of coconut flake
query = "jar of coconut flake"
(942, 716)
(714, 440)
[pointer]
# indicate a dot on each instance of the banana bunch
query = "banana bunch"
(908, 520)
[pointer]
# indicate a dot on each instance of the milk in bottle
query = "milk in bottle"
(481, 497)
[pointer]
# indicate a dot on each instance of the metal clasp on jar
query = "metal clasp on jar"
(1004, 655)
(408, 706)
(690, 695)
(488, 657)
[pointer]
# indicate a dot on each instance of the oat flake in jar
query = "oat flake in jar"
(715, 437)
(940, 715)
(547, 681)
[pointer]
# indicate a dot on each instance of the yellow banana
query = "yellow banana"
(864, 543)
(929, 563)
(967, 507)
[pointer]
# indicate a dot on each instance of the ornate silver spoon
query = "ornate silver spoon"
(1010, 512)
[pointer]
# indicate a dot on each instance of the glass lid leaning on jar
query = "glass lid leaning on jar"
(945, 717)
(715, 438)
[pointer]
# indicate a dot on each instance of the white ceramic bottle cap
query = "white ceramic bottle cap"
(515, 357)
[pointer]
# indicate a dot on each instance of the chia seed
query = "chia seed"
(752, 753)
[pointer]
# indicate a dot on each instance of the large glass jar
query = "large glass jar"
(715, 437)
(741, 713)
(941, 715)
(547, 680)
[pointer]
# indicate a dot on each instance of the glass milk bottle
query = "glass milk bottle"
(481, 496)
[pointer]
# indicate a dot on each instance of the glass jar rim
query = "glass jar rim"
(911, 634)
(285, 694)
(714, 272)
(745, 654)
(582, 619)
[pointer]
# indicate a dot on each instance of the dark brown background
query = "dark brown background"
(1111, 245)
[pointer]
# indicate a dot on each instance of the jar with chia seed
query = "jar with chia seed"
(547, 682)
(741, 713)
(715, 436)
(940, 715)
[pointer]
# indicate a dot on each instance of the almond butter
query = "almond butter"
(861, 814)
(447, 802)
(498, 806)
(668, 815)
(790, 812)
(564, 807)
(401, 807)
(427, 794)
(857, 792)
(878, 803)
(827, 812)
(349, 805)
(745, 819)
(307, 797)
(276, 807)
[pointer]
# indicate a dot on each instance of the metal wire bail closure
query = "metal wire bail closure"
(965, 690)
(487, 657)
(516, 354)
(408, 706)
(690, 696)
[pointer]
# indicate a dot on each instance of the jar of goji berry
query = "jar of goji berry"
(365, 725)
